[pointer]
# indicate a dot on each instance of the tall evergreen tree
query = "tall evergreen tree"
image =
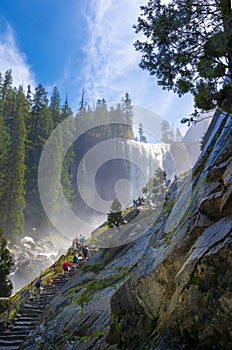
(15, 201)
(39, 128)
(29, 95)
(8, 100)
(66, 176)
(55, 106)
(5, 266)
(4, 170)
(66, 111)
(7, 84)
(128, 116)
(167, 132)
(114, 217)
(142, 138)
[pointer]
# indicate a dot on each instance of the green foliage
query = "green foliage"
(142, 138)
(4, 305)
(155, 189)
(114, 217)
(5, 266)
(12, 201)
(114, 123)
(167, 132)
(194, 280)
(4, 151)
(40, 125)
(96, 285)
(116, 206)
(168, 237)
(187, 46)
(26, 122)
(206, 297)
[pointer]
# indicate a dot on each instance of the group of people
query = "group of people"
(138, 201)
(78, 242)
(78, 245)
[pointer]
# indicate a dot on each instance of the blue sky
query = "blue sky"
(78, 44)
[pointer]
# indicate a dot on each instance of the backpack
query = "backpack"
(38, 284)
(75, 259)
(85, 251)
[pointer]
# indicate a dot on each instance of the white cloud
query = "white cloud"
(111, 66)
(12, 58)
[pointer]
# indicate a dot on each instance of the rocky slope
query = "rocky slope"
(171, 288)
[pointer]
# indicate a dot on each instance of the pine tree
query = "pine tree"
(5, 266)
(55, 106)
(187, 46)
(15, 201)
(29, 95)
(142, 138)
(167, 133)
(159, 185)
(7, 84)
(66, 111)
(8, 100)
(67, 166)
(128, 116)
(40, 126)
(114, 217)
(4, 170)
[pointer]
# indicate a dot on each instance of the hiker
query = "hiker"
(82, 239)
(66, 267)
(73, 244)
(85, 251)
(75, 261)
(50, 281)
(77, 243)
(38, 288)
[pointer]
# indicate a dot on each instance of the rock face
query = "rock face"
(171, 288)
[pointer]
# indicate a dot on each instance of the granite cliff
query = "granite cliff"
(171, 288)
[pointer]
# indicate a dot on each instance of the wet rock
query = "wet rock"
(130, 216)
(28, 240)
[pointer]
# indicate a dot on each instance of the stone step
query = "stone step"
(10, 342)
(36, 306)
(19, 316)
(16, 332)
(22, 323)
(41, 302)
(27, 317)
(11, 336)
(31, 308)
(32, 312)
(22, 328)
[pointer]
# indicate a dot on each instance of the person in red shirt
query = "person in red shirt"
(66, 267)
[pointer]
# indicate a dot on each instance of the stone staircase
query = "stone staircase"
(28, 315)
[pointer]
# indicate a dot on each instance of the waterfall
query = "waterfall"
(143, 160)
